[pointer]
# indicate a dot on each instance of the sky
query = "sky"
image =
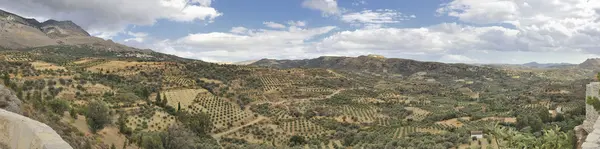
(451, 31)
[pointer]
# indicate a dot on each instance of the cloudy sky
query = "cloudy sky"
(467, 31)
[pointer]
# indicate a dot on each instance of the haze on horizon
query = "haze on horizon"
(454, 31)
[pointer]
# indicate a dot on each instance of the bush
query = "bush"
(199, 123)
(297, 140)
(58, 106)
(593, 101)
(97, 115)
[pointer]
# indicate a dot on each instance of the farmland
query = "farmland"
(233, 106)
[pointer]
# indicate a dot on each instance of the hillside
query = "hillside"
(97, 97)
(386, 66)
(593, 63)
(17, 32)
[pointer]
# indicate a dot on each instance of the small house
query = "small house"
(477, 134)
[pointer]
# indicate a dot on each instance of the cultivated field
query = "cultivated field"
(40, 65)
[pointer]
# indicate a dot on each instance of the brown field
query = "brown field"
(418, 113)
(39, 65)
(110, 135)
(503, 119)
(454, 122)
(158, 122)
(184, 96)
(121, 65)
(84, 61)
(96, 89)
(211, 81)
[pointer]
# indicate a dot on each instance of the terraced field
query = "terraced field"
(183, 97)
(40, 65)
(224, 115)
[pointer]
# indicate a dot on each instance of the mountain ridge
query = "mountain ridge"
(17, 32)
(382, 66)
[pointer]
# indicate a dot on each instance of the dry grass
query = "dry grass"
(211, 81)
(158, 122)
(111, 135)
(96, 89)
(502, 119)
(418, 113)
(122, 65)
(84, 60)
(184, 96)
(453, 122)
(39, 65)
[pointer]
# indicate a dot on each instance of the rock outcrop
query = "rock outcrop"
(19, 132)
(590, 125)
(9, 101)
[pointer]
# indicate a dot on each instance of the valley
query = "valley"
(99, 94)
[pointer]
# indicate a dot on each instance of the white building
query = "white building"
(477, 134)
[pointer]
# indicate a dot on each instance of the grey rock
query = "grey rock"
(9, 101)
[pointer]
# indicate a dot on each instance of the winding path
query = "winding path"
(218, 136)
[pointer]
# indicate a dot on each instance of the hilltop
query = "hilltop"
(17, 32)
(593, 63)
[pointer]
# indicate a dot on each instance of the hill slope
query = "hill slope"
(17, 32)
(379, 65)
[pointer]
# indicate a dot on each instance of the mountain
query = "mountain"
(546, 65)
(593, 63)
(382, 65)
(17, 32)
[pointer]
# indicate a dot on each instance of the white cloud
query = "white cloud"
(239, 30)
(274, 25)
(246, 44)
(359, 2)
(297, 23)
(106, 18)
(327, 7)
(451, 58)
(558, 25)
(138, 37)
(374, 18)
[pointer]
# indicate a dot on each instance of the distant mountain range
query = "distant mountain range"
(547, 65)
(17, 32)
(380, 65)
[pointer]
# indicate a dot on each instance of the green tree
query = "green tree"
(551, 139)
(6, 79)
(73, 113)
(20, 92)
(58, 106)
(178, 106)
(164, 101)
(158, 101)
(296, 140)
(199, 123)
(97, 115)
(152, 141)
(113, 146)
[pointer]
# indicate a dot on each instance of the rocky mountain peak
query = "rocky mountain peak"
(58, 29)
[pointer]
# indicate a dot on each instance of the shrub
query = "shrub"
(58, 106)
(593, 101)
(97, 115)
